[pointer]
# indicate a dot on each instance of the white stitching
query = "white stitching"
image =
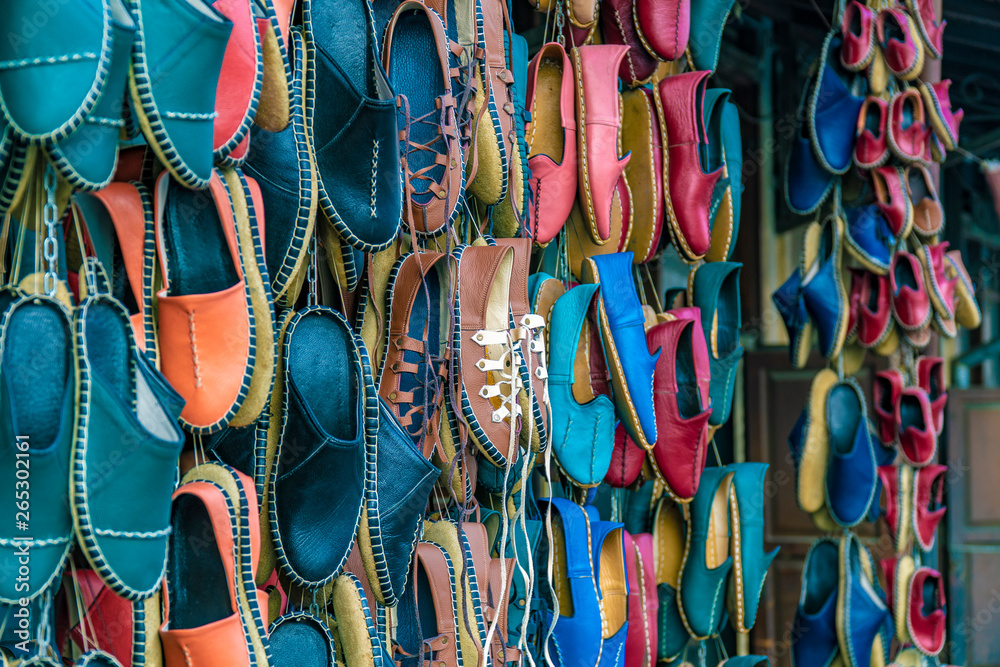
(48, 60)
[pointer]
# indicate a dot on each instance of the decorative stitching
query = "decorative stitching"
(141, 535)
(187, 115)
(194, 351)
(374, 177)
(48, 60)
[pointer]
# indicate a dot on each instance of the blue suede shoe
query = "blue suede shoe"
(863, 621)
(833, 110)
(869, 239)
(807, 183)
(607, 542)
(624, 340)
(715, 288)
(582, 434)
(576, 638)
(750, 562)
(823, 286)
(814, 634)
(791, 305)
(850, 475)
(707, 558)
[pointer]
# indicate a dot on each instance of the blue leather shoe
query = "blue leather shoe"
(624, 339)
(708, 19)
(823, 288)
(851, 472)
(61, 55)
(807, 183)
(863, 620)
(750, 562)
(177, 114)
(833, 110)
(869, 239)
(814, 633)
(361, 196)
(791, 305)
(715, 288)
(707, 557)
(582, 434)
(607, 542)
(576, 638)
(88, 156)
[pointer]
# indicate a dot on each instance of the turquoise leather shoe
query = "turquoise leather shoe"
(582, 435)
(715, 288)
(39, 419)
(61, 55)
(623, 337)
(177, 113)
(750, 562)
(125, 457)
(707, 558)
(88, 156)
(708, 19)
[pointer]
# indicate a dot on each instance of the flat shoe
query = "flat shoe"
(668, 553)
(641, 139)
(833, 110)
(815, 627)
(663, 27)
(302, 639)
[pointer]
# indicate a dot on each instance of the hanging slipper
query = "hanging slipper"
(668, 552)
(722, 126)
(281, 163)
(807, 181)
(176, 116)
(272, 17)
(627, 461)
(300, 638)
(92, 609)
(871, 147)
(900, 43)
(857, 30)
(908, 130)
(641, 138)
(427, 620)
(238, 89)
(832, 111)
(543, 291)
(618, 26)
(663, 27)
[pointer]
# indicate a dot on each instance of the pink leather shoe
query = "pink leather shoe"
(915, 424)
(680, 104)
(886, 389)
(910, 302)
(871, 148)
(937, 106)
(641, 641)
(908, 131)
(928, 506)
(940, 287)
(890, 193)
(930, 378)
(900, 43)
(663, 26)
(858, 33)
(618, 27)
(598, 125)
(931, 30)
(238, 90)
(551, 138)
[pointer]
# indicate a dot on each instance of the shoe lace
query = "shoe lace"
(440, 118)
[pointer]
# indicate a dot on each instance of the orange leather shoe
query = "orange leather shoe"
(204, 317)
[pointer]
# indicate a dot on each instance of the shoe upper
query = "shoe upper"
(751, 562)
(814, 637)
(863, 618)
(714, 288)
(869, 236)
(850, 477)
(807, 182)
(823, 288)
(871, 147)
(910, 301)
(618, 27)
(709, 18)
(663, 27)
(858, 32)
(833, 111)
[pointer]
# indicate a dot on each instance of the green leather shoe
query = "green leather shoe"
(708, 20)
(707, 557)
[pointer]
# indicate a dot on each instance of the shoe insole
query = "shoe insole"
(301, 643)
(497, 319)
(918, 186)
(930, 596)
(37, 371)
(911, 413)
(937, 489)
(821, 579)
(413, 42)
(197, 585)
(424, 325)
(108, 348)
(613, 584)
(341, 30)
(843, 414)
(892, 30)
(668, 543)
(873, 119)
(547, 137)
(908, 113)
(560, 568)
(885, 395)
(905, 276)
(717, 542)
(688, 395)
(198, 257)
(321, 367)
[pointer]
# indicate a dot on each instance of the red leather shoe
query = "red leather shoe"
(931, 30)
(888, 567)
(886, 390)
(871, 147)
(627, 459)
(875, 324)
(598, 125)
(915, 425)
(930, 378)
(238, 90)
(682, 407)
(552, 142)
(618, 27)
(937, 102)
(858, 33)
(663, 26)
(928, 214)
(928, 508)
(925, 615)
(900, 43)
(940, 287)
(910, 302)
(908, 131)
(897, 481)
(680, 104)
(890, 192)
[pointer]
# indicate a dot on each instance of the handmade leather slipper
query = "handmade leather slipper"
(928, 213)
(668, 553)
(427, 620)
(579, 241)
(897, 480)
(641, 138)
(857, 28)
(833, 109)
(552, 142)
(807, 182)
(628, 461)
(851, 479)
(863, 621)
(610, 576)
(361, 197)
(618, 27)
(177, 117)
(750, 561)
(127, 401)
(967, 311)
(99, 608)
(19, 160)
(927, 504)
(641, 644)
(238, 89)
(282, 164)
(324, 438)
(709, 18)
(580, 429)
(908, 130)
(943, 119)
(543, 292)
(40, 420)
(621, 326)
(346, 264)
(814, 456)
(432, 163)
(356, 634)
(900, 43)
(274, 108)
(69, 52)
(300, 638)
(722, 125)
(663, 27)
(871, 147)
(88, 156)
(205, 318)
(823, 286)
